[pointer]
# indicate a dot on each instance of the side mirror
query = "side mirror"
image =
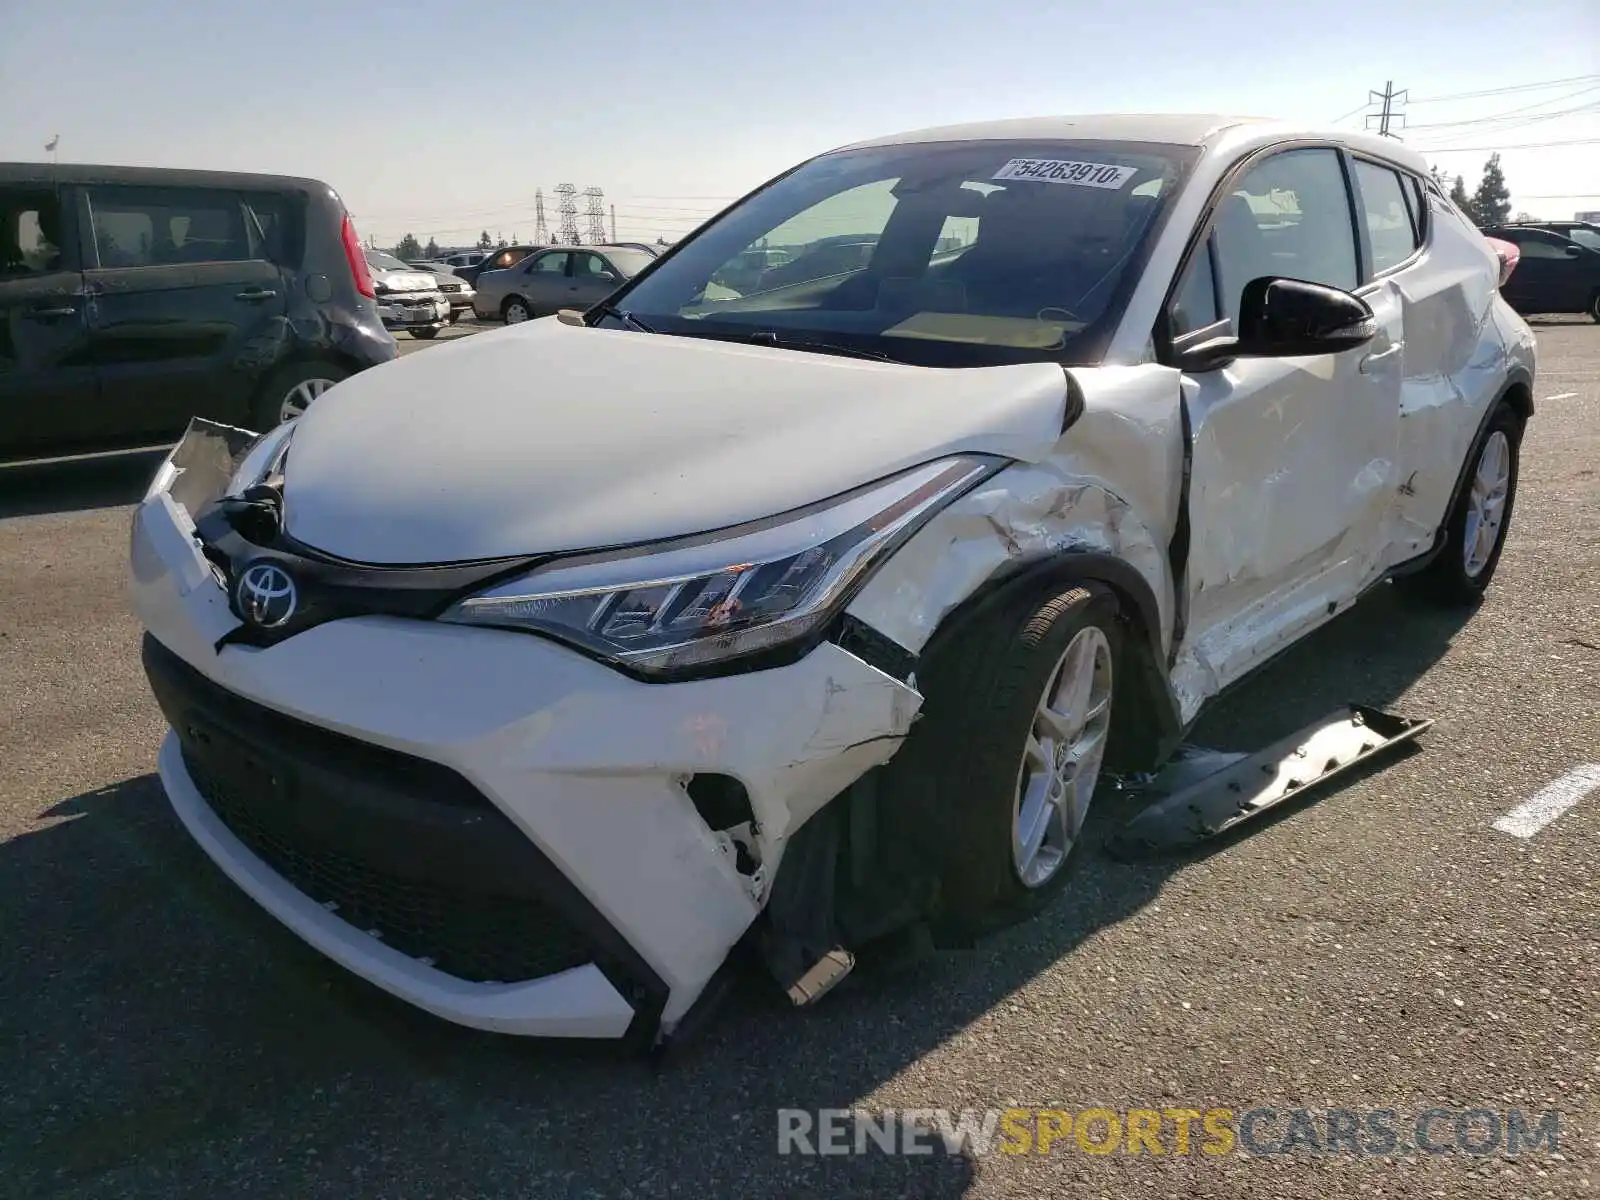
(1574, 251)
(1289, 318)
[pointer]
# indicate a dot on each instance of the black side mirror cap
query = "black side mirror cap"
(1574, 251)
(1288, 318)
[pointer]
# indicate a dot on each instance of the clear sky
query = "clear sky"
(443, 119)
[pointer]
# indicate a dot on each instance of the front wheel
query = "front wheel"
(1475, 532)
(1594, 308)
(1000, 770)
(424, 332)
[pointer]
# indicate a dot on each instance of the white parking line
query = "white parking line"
(1562, 396)
(1550, 801)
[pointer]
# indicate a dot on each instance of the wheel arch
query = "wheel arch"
(1146, 726)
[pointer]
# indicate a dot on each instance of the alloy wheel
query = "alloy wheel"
(1486, 504)
(1062, 757)
(298, 398)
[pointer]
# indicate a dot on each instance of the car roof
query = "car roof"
(49, 174)
(1204, 130)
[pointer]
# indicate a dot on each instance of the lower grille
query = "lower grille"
(473, 936)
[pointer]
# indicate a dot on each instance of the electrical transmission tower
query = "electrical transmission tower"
(567, 212)
(595, 214)
(1388, 98)
(541, 230)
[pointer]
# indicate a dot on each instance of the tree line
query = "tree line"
(1489, 203)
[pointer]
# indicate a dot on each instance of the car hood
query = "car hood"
(549, 437)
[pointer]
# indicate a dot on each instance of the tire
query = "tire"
(424, 333)
(963, 776)
(1454, 578)
(516, 310)
(290, 389)
(1594, 308)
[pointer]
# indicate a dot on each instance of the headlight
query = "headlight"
(726, 595)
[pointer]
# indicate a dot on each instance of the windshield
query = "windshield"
(387, 262)
(948, 254)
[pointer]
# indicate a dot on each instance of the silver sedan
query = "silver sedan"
(555, 278)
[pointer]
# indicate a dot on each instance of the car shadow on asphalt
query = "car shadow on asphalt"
(72, 485)
(159, 1025)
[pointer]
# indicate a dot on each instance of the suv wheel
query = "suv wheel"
(1475, 532)
(999, 771)
(290, 390)
(516, 311)
(1594, 308)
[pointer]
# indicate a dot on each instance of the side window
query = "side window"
(1195, 305)
(1289, 216)
(589, 266)
(1418, 196)
(275, 228)
(1389, 227)
(30, 234)
(1542, 245)
(547, 264)
(139, 227)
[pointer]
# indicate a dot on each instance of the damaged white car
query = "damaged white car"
(799, 617)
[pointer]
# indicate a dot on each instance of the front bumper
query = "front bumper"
(401, 311)
(558, 785)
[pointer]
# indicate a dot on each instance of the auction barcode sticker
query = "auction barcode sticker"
(1080, 174)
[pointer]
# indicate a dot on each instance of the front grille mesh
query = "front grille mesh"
(472, 936)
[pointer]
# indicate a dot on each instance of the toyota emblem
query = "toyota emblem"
(266, 595)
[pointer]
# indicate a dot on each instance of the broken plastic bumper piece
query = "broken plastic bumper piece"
(1192, 811)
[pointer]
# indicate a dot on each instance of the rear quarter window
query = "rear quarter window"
(277, 226)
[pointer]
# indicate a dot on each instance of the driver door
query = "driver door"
(1293, 459)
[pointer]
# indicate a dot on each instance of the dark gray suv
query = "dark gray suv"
(134, 298)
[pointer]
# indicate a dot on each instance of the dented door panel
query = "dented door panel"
(1460, 349)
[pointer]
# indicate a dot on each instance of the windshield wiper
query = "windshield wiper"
(769, 337)
(627, 318)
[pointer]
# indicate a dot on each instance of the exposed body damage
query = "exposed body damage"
(804, 639)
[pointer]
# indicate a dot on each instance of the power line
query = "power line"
(1502, 91)
(1521, 122)
(1511, 113)
(1513, 146)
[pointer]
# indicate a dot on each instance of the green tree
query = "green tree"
(1459, 197)
(484, 241)
(1491, 203)
(408, 248)
(431, 250)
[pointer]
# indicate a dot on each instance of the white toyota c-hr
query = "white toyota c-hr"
(529, 676)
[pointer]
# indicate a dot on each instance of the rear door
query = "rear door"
(593, 279)
(185, 306)
(47, 382)
(543, 280)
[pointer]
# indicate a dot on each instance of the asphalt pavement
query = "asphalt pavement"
(1378, 946)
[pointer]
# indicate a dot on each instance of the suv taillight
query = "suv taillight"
(359, 271)
(1509, 254)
